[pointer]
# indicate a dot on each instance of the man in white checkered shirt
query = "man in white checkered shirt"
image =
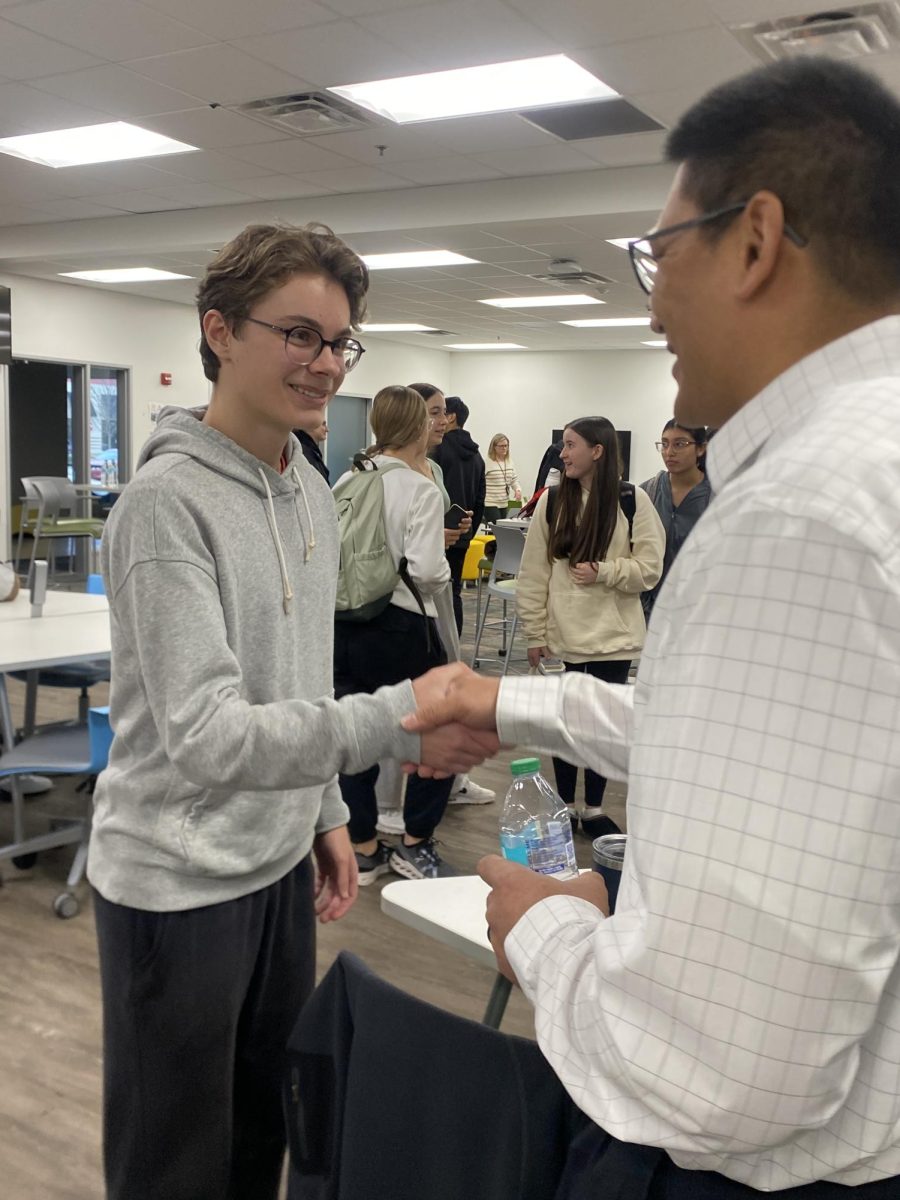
(741, 1010)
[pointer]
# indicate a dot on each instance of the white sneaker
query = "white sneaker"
(467, 792)
(390, 820)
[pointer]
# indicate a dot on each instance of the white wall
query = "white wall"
(525, 396)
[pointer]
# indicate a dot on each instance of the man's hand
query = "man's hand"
(453, 750)
(336, 874)
(453, 693)
(514, 889)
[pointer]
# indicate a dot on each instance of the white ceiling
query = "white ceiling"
(496, 188)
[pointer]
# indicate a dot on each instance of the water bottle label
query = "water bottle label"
(514, 848)
(551, 850)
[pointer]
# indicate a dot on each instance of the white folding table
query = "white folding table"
(452, 912)
(74, 628)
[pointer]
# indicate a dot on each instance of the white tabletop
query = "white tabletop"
(449, 910)
(513, 522)
(44, 642)
(56, 604)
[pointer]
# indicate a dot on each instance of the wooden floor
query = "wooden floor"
(50, 1046)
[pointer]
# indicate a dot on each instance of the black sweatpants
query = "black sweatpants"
(395, 645)
(197, 1009)
(615, 671)
(456, 557)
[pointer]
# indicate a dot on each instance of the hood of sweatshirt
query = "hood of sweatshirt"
(463, 445)
(181, 431)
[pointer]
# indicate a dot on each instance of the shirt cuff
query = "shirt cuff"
(542, 926)
(528, 710)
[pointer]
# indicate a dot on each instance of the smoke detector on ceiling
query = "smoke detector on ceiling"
(837, 33)
(306, 114)
(567, 273)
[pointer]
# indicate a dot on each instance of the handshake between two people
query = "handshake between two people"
(456, 720)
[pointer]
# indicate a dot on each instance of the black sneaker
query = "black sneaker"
(595, 823)
(372, 865)
(421, 861)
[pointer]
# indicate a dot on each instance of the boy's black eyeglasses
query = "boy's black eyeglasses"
(303, 345)
(643, 260)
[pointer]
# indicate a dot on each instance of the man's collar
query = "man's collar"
(870, 352)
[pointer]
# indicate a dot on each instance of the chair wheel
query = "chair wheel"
(24, 861)
(66, 905)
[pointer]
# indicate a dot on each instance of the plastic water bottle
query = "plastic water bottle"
(534, 826)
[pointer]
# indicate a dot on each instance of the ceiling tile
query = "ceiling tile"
(740, 11)
(24, 109)
(219, 74)
(454, 168)
(356, 179)
(197, 194)
(206, 166)
(76, 210)
(118, 91)
(538, 160)
(290, 156)
(25, 55)
(212, 128)
(113, 29)
(341, 52)
(402, 143)
(98, 178)
(141, 202)
(235, 18)
(698, 60)
(282, 187)
(602, 22)
(630, 150)
(495, 131)
(461, 33)
(668, 107)
(361, 8)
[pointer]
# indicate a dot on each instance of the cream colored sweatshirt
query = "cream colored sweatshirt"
(590, 622)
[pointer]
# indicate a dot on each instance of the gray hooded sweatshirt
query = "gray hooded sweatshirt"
(221, 577)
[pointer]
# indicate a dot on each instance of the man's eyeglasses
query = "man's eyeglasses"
(303, 345)
(643, 259)
(678, 444)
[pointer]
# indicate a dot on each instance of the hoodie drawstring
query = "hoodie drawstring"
(311, 544)
(287, 592)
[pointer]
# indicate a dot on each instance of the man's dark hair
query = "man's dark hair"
(455, 407)
(822, 135)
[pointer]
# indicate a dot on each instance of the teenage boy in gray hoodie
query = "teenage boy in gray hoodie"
(219, 830)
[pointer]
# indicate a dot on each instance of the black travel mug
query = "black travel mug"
(608, 853)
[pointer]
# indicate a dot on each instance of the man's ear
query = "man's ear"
(762, 243)
(218, 334)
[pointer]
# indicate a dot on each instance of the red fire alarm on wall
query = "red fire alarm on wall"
(165, 378)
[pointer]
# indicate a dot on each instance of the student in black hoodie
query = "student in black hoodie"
(311, 444)
(463, 469)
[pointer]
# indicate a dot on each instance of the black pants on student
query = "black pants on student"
(456, 557)
(394, 646)
(198, 1006)
(566, 775)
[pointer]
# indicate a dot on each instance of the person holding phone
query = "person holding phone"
(579, 588)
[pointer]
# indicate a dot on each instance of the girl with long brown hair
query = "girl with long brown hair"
(583, 569)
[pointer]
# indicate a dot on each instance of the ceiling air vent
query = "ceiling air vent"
(837, 33)
(566, 273)
(307, 113)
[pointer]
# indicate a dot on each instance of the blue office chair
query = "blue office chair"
(57, 750)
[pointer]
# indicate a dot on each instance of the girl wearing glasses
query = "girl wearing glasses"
(680, 493)
(584, 566)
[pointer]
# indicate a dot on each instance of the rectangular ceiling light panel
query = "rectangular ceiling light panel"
(484, 346)
(542, 301)
(415, 258)
(496, 87)
(124, 275)
(608, 322)
(399, 327)
(112, 142)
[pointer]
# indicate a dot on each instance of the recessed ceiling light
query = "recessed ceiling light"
(495, 87)
(397, 328)
(622, 243)
(415, 258)
(112, 142)
(608, 322)
(124, 275)
(660, 345)
(541, 301)
(483, 346)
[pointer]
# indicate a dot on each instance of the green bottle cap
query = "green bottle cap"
(525, 766)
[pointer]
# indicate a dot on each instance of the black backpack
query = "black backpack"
(627, 503)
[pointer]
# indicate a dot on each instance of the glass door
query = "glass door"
(107, 427)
